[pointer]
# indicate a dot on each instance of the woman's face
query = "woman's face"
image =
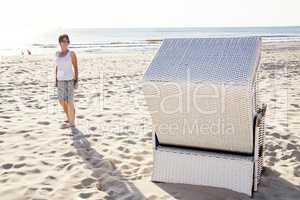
(64, 44)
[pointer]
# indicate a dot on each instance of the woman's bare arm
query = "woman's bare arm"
(75, 65)
(55, 76)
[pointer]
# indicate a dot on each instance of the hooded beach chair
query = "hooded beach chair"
(208, 126)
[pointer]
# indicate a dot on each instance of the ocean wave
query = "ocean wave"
(103, 44)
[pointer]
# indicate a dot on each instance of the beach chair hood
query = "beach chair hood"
(201, 92)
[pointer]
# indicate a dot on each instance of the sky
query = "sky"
(33, 16)
(147, 13)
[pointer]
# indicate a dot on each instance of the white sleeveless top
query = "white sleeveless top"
(64, 67)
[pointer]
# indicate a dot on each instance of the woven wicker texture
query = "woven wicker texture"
(259, 146)
(212, 122)
(200, 92)
(177, 165)
(205, 59)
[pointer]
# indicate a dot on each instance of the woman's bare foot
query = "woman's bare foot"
(67, 125)
(64, 126)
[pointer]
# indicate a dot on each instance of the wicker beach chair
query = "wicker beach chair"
(208, 126)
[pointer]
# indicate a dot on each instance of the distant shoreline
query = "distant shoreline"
(143, 39)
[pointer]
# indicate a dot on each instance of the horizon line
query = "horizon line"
(174, 27)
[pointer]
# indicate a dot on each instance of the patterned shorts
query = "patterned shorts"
(65, 90)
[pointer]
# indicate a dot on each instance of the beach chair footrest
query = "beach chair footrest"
(197, 167)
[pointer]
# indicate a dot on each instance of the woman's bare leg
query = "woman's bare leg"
(71, 112)
(65, 107)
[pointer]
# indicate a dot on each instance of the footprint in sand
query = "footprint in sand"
(297, 171)
(69, 154)
(87, 182)
(7, 166)
(85, 195)
(79, 96)
(80, 117)
(93, 128)
(30, 191)
(43, 123)
(276, 135)
(24, 131)
(78, 187)
(46, 163)
(51, 177)
(35, 171)
(295, 105)
(129, 141)
(20, 165)
(138, 158)
(125, 166)
(296, 154)
(123, 149)
(48, 189)
(5, 117)
(291, 146)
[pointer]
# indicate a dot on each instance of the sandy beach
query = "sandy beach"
(109, 154)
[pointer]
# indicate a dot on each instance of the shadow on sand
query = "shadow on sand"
(272, 187)
(109, 179)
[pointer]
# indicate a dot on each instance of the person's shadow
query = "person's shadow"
(109, 179)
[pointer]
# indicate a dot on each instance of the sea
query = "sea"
(110, 40)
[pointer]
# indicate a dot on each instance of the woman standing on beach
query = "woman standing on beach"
(66, 77)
